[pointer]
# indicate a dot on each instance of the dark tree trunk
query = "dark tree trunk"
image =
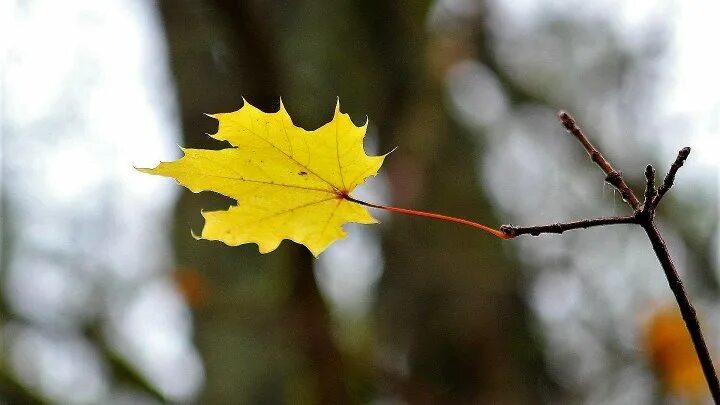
(221, 51)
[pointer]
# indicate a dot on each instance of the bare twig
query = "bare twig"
(670, 178)
(643, 216)
(613, 176)
(514, 231)
(686, 308)
(650, 191)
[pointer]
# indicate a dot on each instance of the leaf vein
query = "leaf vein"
(337, 153)
(256, 181)
(309, 170)
(286, 211)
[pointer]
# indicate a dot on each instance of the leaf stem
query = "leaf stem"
(496, 232)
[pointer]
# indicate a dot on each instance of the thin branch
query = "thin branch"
(643, 216)
(614, 177)
(686, 308)
(670, 178)
(650, 191)
(514, 231)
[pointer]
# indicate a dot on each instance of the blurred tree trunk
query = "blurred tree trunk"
(448, 302)
(449, 299)
(221, 51)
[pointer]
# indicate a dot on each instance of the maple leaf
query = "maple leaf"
(289, 183)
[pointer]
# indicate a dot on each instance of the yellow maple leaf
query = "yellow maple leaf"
(289, 183)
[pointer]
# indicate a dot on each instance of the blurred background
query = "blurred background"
(106, 298)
